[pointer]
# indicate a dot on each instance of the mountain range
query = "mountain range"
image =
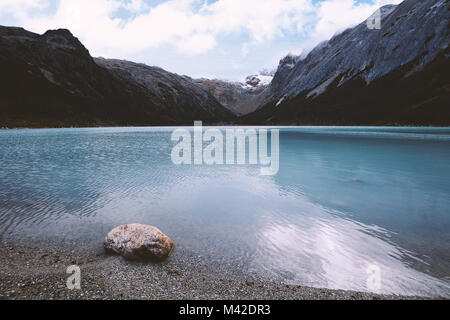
(397, 74)
(239, 97)
(51, 80)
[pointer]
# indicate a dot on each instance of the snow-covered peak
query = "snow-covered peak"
(256, 81)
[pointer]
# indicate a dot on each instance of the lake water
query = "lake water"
(346, 201)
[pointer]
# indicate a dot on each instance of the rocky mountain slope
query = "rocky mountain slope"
(168, 90)
(398, 74)
(239, 97)
(51, 80)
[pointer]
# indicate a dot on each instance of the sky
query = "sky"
(224, 39)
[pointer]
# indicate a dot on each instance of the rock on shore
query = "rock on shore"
(138, 242)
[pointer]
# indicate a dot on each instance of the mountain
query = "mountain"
(239, 97)
(185, 98)
(396, 75)
(51, 80)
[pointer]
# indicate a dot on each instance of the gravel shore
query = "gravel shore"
(39, 272)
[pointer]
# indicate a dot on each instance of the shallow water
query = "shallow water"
(345, 200)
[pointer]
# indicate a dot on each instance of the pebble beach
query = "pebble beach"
(38, 272)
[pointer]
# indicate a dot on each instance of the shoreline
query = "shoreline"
(37, 272)
(230, 125)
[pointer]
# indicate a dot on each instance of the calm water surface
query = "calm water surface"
(344, 200)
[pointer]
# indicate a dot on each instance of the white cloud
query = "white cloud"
(14, 4)
(337, 15)
(135, 6)
(261, 19)
(192, 26)
(183, 23)
(244, 49)
(196, 44)
(18, 8)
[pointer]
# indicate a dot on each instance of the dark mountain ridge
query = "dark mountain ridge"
(51, 80)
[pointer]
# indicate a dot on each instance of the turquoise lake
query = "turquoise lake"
(345, 199)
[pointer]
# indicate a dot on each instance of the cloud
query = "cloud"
(15, 4)
(130, 28)
(195, 44)
(135, 6)
(182, 23)
(18, 8)
(244, 49)
(335, 16)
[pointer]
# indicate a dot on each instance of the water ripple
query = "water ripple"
(344, 199)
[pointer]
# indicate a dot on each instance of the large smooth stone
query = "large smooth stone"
(138, 242)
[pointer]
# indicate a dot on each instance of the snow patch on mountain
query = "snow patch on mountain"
(257, 81)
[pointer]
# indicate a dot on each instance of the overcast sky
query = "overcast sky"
(226, 39)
